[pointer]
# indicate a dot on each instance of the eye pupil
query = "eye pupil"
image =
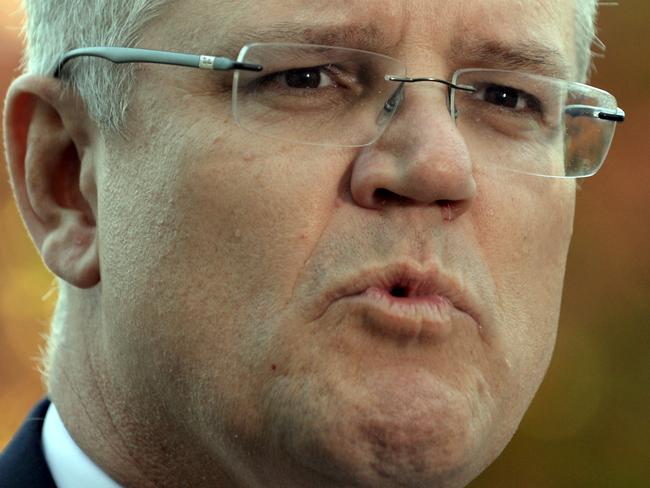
(303, 78)
(503, 96)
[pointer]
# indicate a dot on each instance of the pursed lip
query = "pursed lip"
(406, 300)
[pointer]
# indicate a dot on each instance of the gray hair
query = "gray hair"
(586, 13)
(54, 27)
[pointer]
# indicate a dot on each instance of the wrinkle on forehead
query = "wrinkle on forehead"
(209, 27)
(389, 26)
(549, 22)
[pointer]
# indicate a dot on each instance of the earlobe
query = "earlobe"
(50, 145)
(70, 252)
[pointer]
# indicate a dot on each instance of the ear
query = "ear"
(50, 145)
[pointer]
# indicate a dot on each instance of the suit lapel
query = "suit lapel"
(22, 463)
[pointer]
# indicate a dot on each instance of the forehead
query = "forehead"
(544, 28)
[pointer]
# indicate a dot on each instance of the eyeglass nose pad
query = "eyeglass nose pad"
(395, 101)
(392, 105)
(453, 112)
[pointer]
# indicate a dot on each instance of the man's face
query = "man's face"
(365, 316)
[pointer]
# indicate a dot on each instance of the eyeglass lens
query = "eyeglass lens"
(338, 96)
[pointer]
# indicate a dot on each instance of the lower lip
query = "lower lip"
(417, 317)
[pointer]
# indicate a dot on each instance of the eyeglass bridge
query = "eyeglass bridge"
(394, 101)
(406, 79)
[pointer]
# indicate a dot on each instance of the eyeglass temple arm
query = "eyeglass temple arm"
(135, 55)
(596, 112)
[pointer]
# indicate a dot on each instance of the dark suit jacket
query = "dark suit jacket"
(22, 463)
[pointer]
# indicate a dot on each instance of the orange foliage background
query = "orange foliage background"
(589, 424)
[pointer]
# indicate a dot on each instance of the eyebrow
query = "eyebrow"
(523, 56)
(359, 36)
(527, 55)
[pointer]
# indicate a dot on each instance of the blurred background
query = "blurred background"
(590, 423)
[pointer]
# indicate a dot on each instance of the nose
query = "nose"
(420, 160)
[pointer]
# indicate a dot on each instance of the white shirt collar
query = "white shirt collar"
(69, 465)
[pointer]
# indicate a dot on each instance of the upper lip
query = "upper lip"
(414, 279)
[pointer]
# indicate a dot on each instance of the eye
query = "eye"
(509, 98)
(306, 78)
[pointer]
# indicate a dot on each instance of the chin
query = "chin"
(432, 443)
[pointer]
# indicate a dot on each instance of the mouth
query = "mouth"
(405, 301)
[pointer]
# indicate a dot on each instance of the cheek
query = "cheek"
(252, 217)
(524, 226)
(527, 220)
(201, 247)
(246, 219)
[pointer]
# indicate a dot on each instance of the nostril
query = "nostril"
(399, 292)
(383, 196)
